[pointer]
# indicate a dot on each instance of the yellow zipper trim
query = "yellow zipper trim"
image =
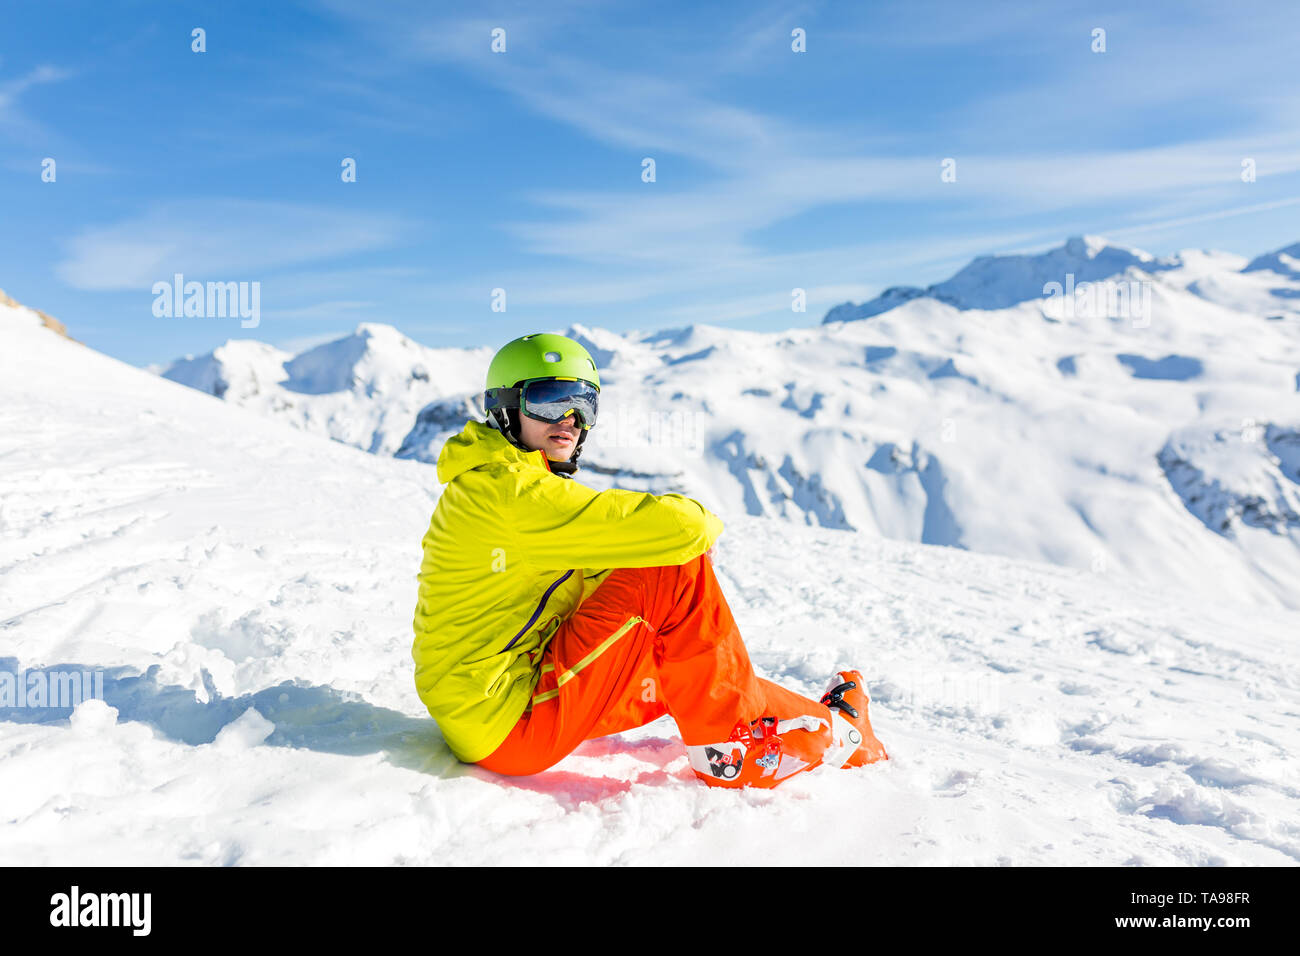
(572, 672)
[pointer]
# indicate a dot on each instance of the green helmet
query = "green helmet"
(540, 355)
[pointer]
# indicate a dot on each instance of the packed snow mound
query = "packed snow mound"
(245, 594)
(365, 389)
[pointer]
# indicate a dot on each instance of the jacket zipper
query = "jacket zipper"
(537, 613)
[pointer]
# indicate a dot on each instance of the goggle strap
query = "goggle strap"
(503, 398)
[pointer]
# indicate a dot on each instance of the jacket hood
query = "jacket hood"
(479, 444)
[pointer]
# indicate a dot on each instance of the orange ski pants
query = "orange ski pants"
(647, 642)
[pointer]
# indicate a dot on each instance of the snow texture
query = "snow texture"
(246, 591)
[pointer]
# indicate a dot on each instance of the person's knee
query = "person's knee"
(522, 765)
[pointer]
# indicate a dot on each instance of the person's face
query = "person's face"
(556, 440)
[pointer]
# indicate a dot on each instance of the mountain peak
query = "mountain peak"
(377, 330)
(1085, 245)
(1284, 261)
(235, 347)
(48, 321)
(1002, 281)
(1089, 247)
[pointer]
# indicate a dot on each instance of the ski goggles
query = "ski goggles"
(549, 400)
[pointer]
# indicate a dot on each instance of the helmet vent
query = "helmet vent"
(552, 356)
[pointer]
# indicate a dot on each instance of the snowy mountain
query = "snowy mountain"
(1230, 480)
(1000, 282)
(1087, 428)
(364, 389)
(245, 592)
(1283, 262)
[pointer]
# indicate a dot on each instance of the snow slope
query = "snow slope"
(247, 591)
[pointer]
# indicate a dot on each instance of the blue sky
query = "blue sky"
(522, 170)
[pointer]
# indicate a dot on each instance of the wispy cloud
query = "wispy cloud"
(748, 287)
(1167, 224)
(717, 223)
(775, 170)
(14, 122)
(11, 90)
(355, 310)
(218, 239)
(770, 169)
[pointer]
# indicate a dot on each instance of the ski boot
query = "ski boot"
(855, 743)
(762, 753)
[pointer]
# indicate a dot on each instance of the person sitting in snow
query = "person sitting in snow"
(550, 613)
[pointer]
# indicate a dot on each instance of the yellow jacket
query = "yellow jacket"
(511, 552)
